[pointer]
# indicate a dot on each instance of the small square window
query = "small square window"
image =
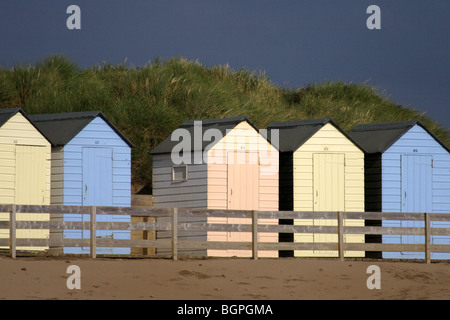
(179, 173)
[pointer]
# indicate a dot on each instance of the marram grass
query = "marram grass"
(147, 103)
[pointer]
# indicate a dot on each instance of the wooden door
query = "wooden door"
(243, 181)
(30, 185)
(416, 192)
(97, 186)
(329, 182)
(329, 192)
(30, 176)
(243, 192)
(97, 176)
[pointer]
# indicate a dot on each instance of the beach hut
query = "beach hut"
(226, 164)
(407, 170)
(24, 170)
(91, 166)
(321, 169)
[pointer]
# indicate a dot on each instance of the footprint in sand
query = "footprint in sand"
(199, 275)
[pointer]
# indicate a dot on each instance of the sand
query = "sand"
(34, 278)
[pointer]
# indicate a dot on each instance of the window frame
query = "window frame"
(173, 173)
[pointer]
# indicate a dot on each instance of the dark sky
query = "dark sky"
(294, 42)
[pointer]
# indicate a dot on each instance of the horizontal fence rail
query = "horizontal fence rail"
(163, 220)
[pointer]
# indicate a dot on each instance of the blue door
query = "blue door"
(416, 194)
(98, 191)
(97, 177)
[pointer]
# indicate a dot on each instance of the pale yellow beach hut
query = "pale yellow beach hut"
(25, 167)
(321, 169)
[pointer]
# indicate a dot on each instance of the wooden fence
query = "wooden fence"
(180, 218)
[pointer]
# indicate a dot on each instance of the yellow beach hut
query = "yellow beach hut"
(25, 167)
(321, 169)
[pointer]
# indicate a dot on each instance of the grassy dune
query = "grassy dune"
(147, 103)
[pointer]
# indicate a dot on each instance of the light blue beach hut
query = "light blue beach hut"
(407, 169)
(91, 166)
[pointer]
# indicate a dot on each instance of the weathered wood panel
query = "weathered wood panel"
(187, 237)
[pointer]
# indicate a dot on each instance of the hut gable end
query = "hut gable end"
(19, 130)
(97, 134)
(328, 140)
(417, 140)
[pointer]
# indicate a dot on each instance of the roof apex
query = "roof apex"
(63, 127)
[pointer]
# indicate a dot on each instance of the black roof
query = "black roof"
(378, 137)
(293, 134)
(222, 125)
(60, 128)
(8, 113)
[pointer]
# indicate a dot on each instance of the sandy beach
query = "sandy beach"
(38, 278)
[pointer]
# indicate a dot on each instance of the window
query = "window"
(179, 173)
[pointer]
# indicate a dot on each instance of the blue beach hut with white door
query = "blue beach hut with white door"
(407, 169)
(91, 166)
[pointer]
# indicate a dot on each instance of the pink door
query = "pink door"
(243, 193)
(243, 181)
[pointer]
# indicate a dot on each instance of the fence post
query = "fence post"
(427, 237)
(255, 234)
(340, 235)
(93, 231)
(12, 231)
(174, 233)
